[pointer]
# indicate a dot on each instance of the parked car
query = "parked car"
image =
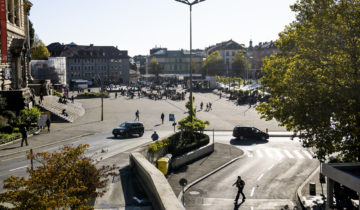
(242, 132)
(127, 129)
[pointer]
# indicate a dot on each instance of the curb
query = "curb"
(299, 194)
(209, 174)
(44, 145)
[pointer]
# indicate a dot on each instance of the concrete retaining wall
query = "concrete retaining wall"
(155, 184)
(191, 156)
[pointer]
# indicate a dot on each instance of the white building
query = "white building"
(227, 50)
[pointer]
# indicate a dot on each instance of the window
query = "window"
(227, 53)
(233, 53)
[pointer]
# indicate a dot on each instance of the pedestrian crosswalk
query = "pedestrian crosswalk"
(278, 153)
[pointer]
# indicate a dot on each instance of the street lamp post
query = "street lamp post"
(190, 68)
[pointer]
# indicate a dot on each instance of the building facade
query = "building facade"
(53, 69)
(176, 61)
(15, 46)
(93, 62)
(256, 55)
(227, 50)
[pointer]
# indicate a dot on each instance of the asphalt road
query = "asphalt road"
(103, 146)
(272, 170)
(225, 114)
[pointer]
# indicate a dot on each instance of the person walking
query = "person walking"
(72, 99)
(162, 118)
(24, 135)
(48, 123)
(41, 98)
(116, 95)
(240, 184)
(201, 105)
(137, 117)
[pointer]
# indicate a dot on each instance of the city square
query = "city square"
(180, 104)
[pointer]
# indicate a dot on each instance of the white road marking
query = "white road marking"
(249, 153)
(297, 153)
(307, 154)
(258, 152)
(271, 167)
(252, 208)
(260, 177)
(278, 153)
(268, 153)
(252, 192)
(18, 168)
(288, 154)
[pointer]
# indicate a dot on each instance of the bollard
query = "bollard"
(312, 188)
(267, 130)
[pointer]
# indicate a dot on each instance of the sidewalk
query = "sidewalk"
(192, 172)
(317, 201)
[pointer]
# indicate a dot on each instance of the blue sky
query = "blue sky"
(139, 25)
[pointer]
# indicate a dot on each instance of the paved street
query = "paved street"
(225, 114)
(272, 170)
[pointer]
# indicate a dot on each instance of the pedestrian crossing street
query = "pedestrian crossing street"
(278, 153)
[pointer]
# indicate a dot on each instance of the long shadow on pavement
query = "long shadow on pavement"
(121, 138)
(134, 193)
(247, 142)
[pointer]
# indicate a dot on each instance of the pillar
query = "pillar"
(330, 194)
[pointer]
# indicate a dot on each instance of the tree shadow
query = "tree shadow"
(247, 142)
(134, 193)
(182, 169)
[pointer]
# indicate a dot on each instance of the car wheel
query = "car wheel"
(115, 135)
(241, 137)
(141, 133)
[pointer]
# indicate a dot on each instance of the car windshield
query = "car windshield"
(124, 125)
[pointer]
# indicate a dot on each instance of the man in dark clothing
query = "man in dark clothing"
(240, 185)
(137, 117)
(24, 136)
(48, 124)
(162, 118)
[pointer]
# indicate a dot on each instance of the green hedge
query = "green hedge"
(92, 95)
(176, 147)
(185, 148)
(158, 145)
(5, 138)
(56, 93)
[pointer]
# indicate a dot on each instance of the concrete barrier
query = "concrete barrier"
(156, 186)
(191, 156)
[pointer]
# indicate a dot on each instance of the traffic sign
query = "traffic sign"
(171, 117)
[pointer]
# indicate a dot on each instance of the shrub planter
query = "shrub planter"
(86, 95)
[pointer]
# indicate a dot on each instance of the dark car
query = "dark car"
(128, 129)
(242, 132)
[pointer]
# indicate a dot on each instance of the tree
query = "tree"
(195, 66)
(240, 63)
(38, 50)
(213, 64)
(315, 79)
(64, 180)
(196, 125)
(154, 67)
(31, 33)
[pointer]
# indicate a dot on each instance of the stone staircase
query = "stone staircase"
(51, 104)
